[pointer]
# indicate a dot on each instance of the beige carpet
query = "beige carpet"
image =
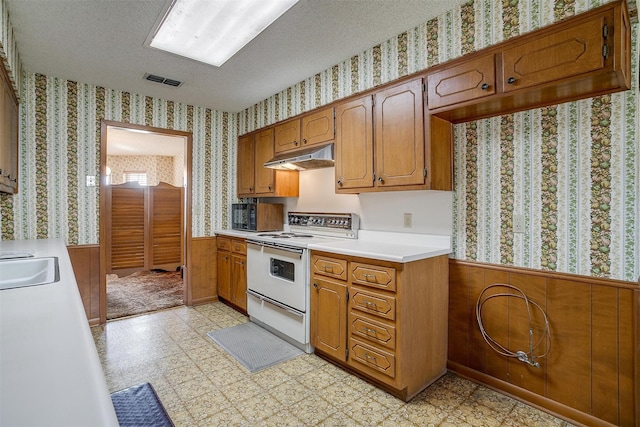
(142, 292)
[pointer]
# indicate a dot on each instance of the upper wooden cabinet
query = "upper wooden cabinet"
(8, 136)
(583, 56)
(354, 144)
(254, 180)
(311, 129)
(380, 143)
(556, 56)
(246, 165)
(463, 82)
(399, 135)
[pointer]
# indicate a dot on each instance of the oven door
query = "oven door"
(278, 273)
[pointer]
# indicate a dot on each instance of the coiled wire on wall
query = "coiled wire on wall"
(525, 357)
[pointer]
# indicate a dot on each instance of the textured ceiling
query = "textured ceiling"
(102, 42)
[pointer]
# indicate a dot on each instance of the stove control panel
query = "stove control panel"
(336, 222)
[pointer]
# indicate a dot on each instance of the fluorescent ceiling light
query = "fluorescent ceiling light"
(212, 31)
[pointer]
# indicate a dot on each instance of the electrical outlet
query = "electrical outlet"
(407, 220)
(518, 223)
(91, 180)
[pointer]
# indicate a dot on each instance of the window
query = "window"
(139, 177)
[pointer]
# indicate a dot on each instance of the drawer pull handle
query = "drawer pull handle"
(370, 304)
(369, 357)
(371, 331)
(328, 269)
(368, 276)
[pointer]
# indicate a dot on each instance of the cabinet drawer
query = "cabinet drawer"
(373, 303)
(331, 267)
(376, 332)
(223, 243)
(376, 360)
(374, 276)
(239, 246)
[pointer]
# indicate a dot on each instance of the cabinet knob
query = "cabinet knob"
(484, 86)
(315, 285)
(304, 140)
(511, 80)
(380, 180)
(340, 183)
(295, 142)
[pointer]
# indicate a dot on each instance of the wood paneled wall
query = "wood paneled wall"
(85, 260)
(204, 275)
(591, 372)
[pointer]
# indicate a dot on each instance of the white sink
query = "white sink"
(17, 273)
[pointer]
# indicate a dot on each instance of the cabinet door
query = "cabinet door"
(224, 275)
(287, 136)
(460, 83)
(239, 281)
(399, 135)
(329, 317)
(562, 54)
(246, 165)
(265, 177)
(354, 144)
(318, 127)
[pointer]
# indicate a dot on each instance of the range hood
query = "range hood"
(306, 158)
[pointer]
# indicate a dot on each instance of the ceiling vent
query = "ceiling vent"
(163, 80)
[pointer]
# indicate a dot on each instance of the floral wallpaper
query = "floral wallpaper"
(572, 170)
(158, 168)
(60, 145)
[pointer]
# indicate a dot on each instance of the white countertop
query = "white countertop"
(50, 373)
(389, 246)
(237, 233)
(382, 245)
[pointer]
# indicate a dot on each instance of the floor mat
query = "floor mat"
(254, 347)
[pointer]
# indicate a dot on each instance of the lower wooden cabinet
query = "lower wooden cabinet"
(232, 271)
(329, 317)
(384, 321)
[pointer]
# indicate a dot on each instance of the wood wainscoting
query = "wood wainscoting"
(85, 260)
(591, 374)
(204, 274)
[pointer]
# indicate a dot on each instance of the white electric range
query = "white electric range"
(278, 277)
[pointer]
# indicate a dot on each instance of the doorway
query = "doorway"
(145, 170)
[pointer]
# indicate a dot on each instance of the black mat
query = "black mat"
(139, 406)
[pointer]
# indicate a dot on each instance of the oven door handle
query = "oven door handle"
(276, 303)
(298, 251)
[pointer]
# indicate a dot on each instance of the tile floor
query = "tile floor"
(201, 385)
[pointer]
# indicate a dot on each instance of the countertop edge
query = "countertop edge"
(50, 369)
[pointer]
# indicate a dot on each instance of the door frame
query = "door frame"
(188, 150)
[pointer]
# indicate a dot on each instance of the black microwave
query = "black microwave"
(257, 216)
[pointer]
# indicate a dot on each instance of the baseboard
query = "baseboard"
(205, 300)
(525, 396)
